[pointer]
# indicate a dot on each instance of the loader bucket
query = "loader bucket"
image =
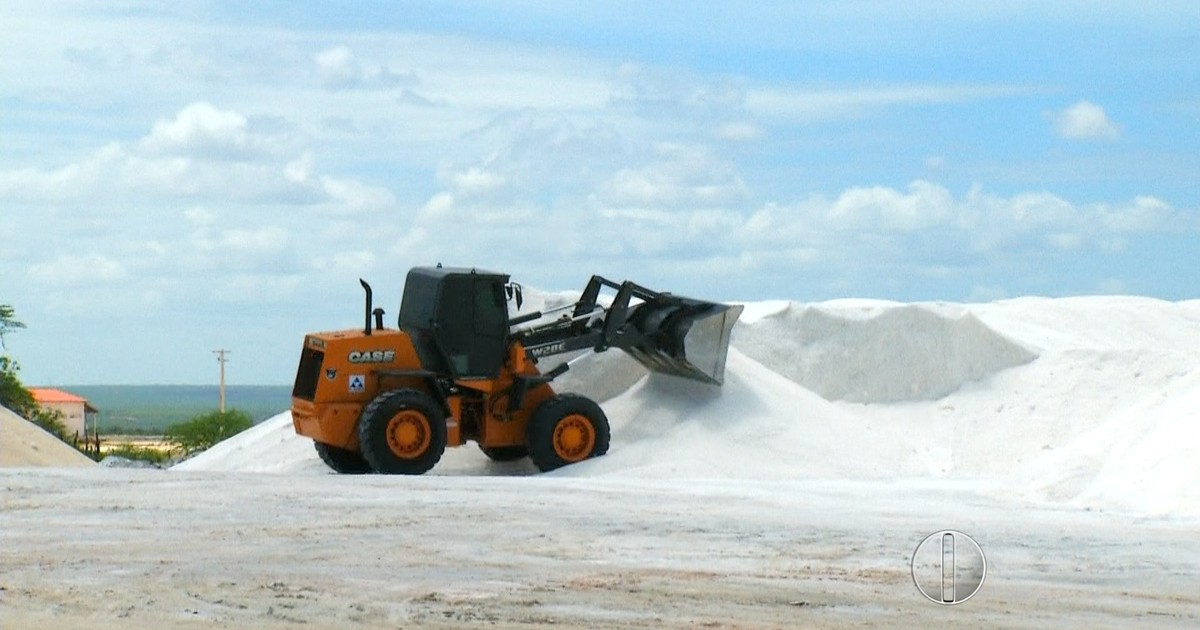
(682, 337)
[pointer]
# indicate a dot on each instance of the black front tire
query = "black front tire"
(402, 432)
(565, 429)
(341, 460)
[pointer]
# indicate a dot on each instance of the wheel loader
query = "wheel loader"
(458, 367)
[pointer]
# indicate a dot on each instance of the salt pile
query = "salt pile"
(876, 352)
(758, 425)
(1080, 401)
(269, 446)
(25, 444)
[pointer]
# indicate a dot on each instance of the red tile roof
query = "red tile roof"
(51, 395)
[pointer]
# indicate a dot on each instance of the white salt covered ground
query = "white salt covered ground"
(1062, 435)
(1091, 402)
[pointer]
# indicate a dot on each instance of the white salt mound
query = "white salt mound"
(269, 446)
(1154, 452)
(1086, 402)
(1115, 397)
(873, 352)
(599, 376)
(1143, 458)
(758, 425)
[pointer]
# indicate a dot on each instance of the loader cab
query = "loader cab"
(457, 319)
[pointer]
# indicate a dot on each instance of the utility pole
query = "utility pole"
(222, 360)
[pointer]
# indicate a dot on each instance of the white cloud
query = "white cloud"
(656, 91)
(256, 241)
(739, 131)
(1085, 121)
(439, 205)
(923, 206)
(678, 176)
(1065, 240)
(72, 270)
(473, 181)
(200, 216)
(934, 162)
(928, 221)
(1021, 212)
(226, 245)
(252, 288)
(678, 205)
(1143, 214)
(347, 196)
(200, 129)
(203, 153)
(338, 68)
(352, 262)
(300, 170)
(29, 185)
(808, 104)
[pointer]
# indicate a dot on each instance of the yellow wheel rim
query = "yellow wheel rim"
(574, 438)
(409, 434)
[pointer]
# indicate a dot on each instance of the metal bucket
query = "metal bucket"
(681, 336)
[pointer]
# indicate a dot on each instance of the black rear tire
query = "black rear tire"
(402, 432)
(341, 460)
(565, 429)
(504, 453)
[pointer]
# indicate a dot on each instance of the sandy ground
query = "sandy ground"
(152, 549)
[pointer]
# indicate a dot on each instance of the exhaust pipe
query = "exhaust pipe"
(367, 325)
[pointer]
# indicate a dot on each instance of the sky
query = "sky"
(177, 178)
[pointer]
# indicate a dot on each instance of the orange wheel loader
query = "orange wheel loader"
(458, 367)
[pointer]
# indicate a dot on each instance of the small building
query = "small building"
(79, 416)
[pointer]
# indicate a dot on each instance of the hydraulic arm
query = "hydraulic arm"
(667, 333)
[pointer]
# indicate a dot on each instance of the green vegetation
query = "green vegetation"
(13, 393)
(139, 453)
(7, 323)
(205, 430)
(132, 430)
(50, 420)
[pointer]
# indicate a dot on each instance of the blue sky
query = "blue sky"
(180, 177)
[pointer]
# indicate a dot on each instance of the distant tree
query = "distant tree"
(7, 323)
(51, 421)
(139, 453)
(20, 400)
(12, 393)
(205, 430)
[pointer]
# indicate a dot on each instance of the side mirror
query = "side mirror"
(513, 290)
